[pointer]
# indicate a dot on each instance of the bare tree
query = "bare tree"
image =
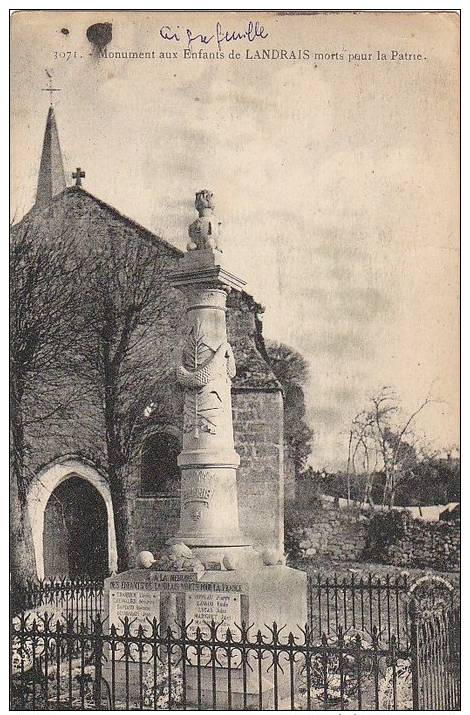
(127, 352)
(394, 437)
(382, 434)
(43, 329)
(362, 448)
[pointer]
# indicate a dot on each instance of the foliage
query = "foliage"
(298, 514)
(434, 480)
(386, 528)
(28, 672)
(309, 488)
(335, 484)
(124, 354)
(292, 371)
(125, 302)
(326, 669)
(289, 366)
(157, 693)
(338, 672)
(292, 548)
(45, 321)
(404, 695)
(21, 656)
(81, 689)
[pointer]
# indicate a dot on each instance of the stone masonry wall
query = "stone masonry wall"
(403, 541)
(155, 519)
(393, 538)
(330, 533)
(258, 428)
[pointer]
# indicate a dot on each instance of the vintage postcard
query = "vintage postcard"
(234, 386)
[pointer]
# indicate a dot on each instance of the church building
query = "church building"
(69, 500)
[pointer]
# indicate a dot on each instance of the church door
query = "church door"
(75, 531)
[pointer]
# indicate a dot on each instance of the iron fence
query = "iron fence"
(436, 649)
(350, 602)
(369, 643)
(360, 603)
(62, 664)
(79, 598)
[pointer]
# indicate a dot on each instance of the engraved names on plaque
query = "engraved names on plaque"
(138, 598)
(138, 601)
(221, 606)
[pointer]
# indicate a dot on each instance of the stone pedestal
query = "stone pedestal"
(256, 594)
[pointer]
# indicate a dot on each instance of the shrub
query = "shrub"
(385, 529)
(156, 693)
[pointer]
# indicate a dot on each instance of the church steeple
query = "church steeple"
(51, 179)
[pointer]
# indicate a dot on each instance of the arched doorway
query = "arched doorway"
(75, 531)
(159, 471)
(45, 484)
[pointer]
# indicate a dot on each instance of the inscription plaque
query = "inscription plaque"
(222, 608)
(136, 605)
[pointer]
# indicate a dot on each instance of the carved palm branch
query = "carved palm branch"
(196, 351)
(200, 407)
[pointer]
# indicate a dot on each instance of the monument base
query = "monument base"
(255, 595)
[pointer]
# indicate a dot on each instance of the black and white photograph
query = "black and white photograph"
(234, 360)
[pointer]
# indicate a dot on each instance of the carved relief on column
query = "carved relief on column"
(208, 499)
(208, 461)
(196, 495)
(207, 365)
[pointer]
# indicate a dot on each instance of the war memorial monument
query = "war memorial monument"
(209, 571)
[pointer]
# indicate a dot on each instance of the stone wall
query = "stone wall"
(154, 519)
(394, 538)
(400, 540)
(258, 430)
(327, 533)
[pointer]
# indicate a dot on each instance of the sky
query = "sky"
(336, 181)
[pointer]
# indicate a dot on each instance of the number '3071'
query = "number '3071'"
(65, 55)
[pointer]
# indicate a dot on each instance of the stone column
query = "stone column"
(209, 520)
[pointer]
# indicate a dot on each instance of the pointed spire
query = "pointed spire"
(51, 179)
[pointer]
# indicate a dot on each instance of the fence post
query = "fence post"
(98, 659)
(414, 650)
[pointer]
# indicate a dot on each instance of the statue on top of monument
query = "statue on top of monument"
(204, 232)
(204, 200)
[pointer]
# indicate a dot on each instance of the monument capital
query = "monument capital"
(204, 264)
(205, 267)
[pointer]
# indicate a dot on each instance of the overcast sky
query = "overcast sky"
(336, 181)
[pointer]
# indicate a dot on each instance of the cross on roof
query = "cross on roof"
(78, 175)
(50, 89)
